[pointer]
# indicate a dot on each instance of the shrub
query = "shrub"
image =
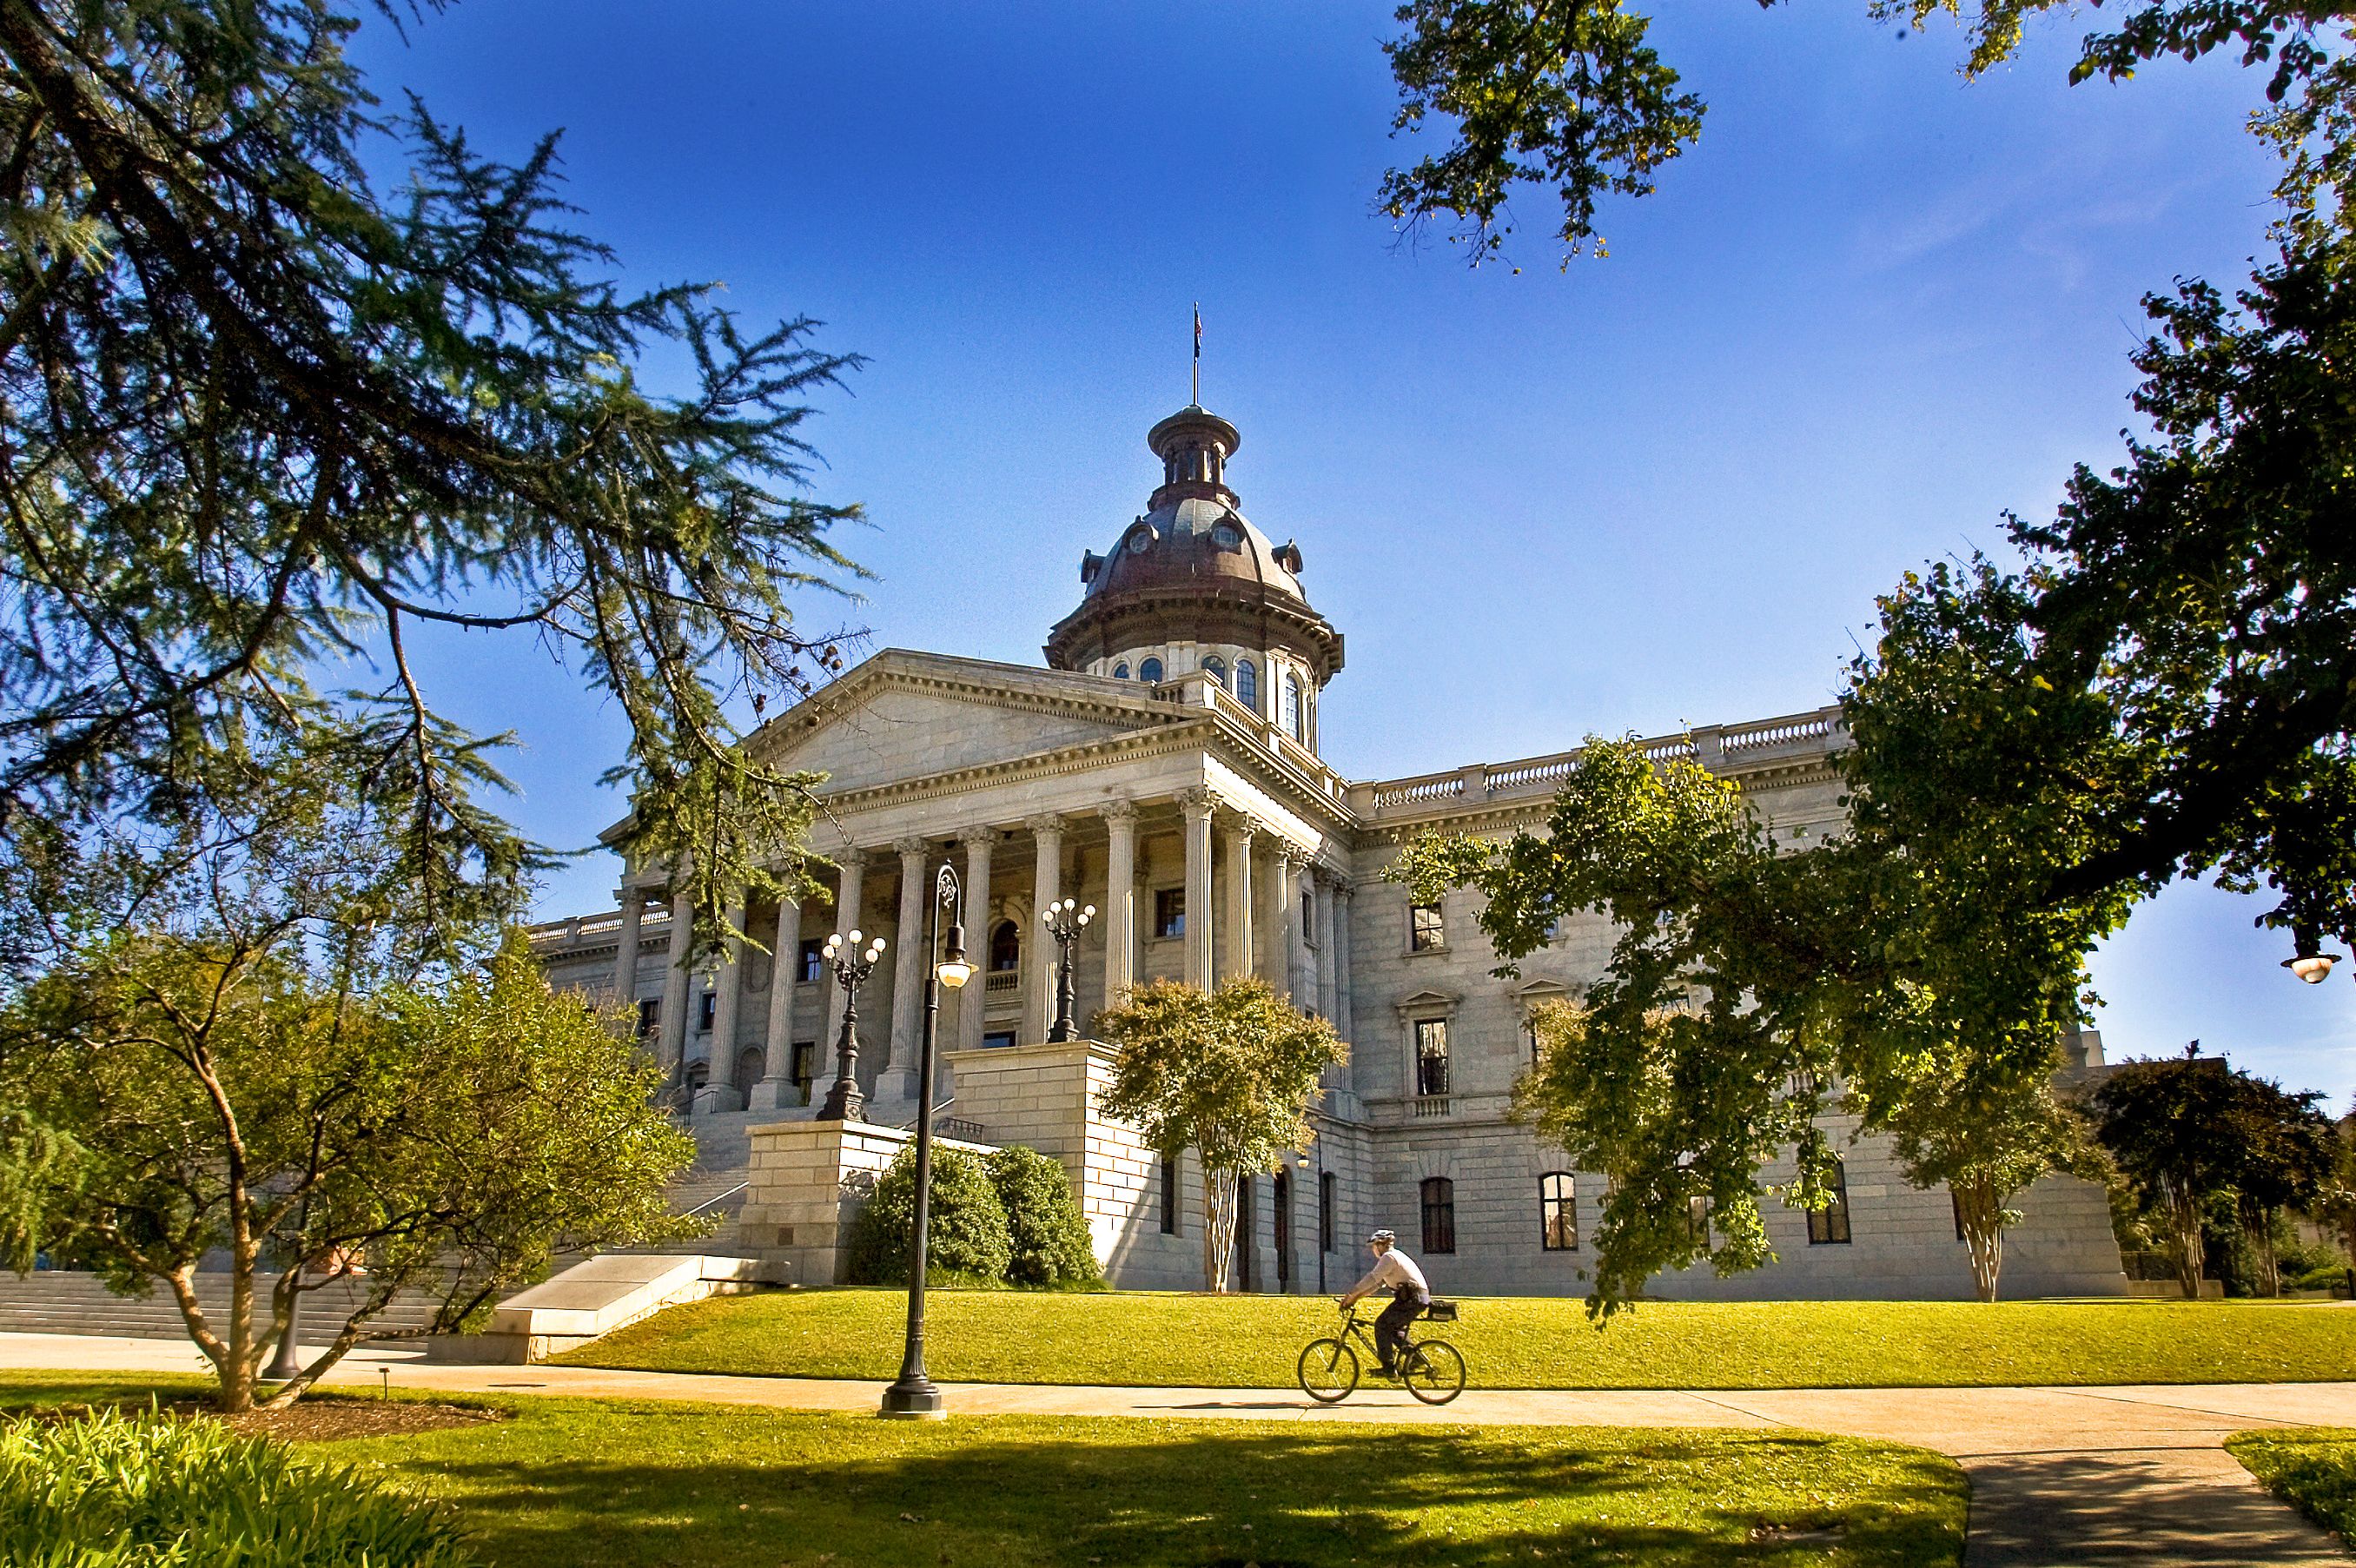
(109, 1490)
(967, 1240)
(1051, 1248)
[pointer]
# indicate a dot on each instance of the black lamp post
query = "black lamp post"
(851, 968)
(913, 1396)
(1064, 919)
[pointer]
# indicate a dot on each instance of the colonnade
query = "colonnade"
(1256, 929)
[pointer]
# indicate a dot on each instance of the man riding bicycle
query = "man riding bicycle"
(1396, 1271)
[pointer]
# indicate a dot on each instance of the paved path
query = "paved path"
(2058, 1475)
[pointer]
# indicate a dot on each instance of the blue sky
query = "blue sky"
(1876, 307)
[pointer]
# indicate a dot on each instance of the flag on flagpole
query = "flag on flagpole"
(1198, 333)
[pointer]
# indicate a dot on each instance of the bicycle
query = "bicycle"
(1431, 1369)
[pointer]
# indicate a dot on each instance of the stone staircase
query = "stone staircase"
(59, 1301)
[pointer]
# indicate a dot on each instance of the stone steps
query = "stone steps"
(69, 1301)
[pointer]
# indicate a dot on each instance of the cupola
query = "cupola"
(1192, 584)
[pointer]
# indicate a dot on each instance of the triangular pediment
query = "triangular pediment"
(902, 715)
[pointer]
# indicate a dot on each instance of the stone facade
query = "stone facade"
(1166, 771)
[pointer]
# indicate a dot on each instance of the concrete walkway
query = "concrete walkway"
(2058, 1475)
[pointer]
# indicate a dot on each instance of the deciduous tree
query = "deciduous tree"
(227, 1090)
(1230, 1073)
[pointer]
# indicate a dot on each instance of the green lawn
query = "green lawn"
(573, 1482)
(1155, 1339)
(2314, 1468)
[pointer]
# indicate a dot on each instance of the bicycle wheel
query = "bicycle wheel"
(1329, 1371)
(1432, 1372)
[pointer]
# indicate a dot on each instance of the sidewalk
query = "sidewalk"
(2058, 1475)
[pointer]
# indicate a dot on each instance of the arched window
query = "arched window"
(1006, 947)
(1217, 668)
(1292, 715)
(1558, 1213)
(1120, 671)
(1247, 684)
(1439, 1214)
(1151, 671)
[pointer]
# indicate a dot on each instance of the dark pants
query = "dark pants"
(1390, 1328)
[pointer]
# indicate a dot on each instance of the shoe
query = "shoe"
(1390, 1372)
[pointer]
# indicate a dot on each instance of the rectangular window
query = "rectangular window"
(1308, 918)
(1830, 1223)
(1283, 1218)
(1439, 1215)
(1431, 1056)
(813, 962)
(1325, 1212)
(1558, 1213)
(1955, 1202)
(1426, 931)
(649, 1017)
(805, 1066)
(1170, 912)
(705, 1009)
(1169, 1196)
(1530, 1038)
(1697, 1219)
(998, 1040)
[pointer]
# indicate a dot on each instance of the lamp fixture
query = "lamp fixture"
(2312, 967)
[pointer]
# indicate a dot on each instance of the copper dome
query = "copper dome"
(1193, 567)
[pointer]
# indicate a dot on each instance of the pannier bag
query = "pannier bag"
(1441, 1311)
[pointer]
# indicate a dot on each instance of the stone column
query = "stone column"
(1343, 1023)
(1328, 1001)
(1120, 902)
(776, 1088)
(671, 1041)
(1196, 805)
(1241, 831)
(896, 1078)
(1039, 966)
(626, 952)
(1283, 916)
(851, 883)
(719, 1092)
(1301, 982)
(979, 842)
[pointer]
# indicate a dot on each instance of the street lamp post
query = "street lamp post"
(1064, 918)
(913, 1396)
(851, 968)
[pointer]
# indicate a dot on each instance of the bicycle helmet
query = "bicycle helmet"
(1383, 1236)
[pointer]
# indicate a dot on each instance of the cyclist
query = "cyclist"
(1396, 1271)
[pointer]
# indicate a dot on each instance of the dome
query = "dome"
(1193, 567)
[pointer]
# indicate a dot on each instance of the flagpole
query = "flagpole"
(1197, 399)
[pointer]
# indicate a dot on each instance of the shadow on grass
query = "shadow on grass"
(1007, 1491)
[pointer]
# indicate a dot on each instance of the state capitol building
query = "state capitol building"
(1164, 765)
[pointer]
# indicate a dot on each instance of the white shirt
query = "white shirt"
(1393, 1269)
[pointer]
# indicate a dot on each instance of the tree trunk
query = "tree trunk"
(1218, 1228)
(1981, 1209)
(2184, 1239)
(2258, 1224)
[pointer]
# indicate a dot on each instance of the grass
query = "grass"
(637, 1484)
(1149, 1340)
(2312, 1467)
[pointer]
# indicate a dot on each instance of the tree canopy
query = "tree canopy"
(258, 417)
(1568, 98)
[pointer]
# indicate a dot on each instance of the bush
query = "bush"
(1051, 1248)
(966, 1241)
(108, 1490)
